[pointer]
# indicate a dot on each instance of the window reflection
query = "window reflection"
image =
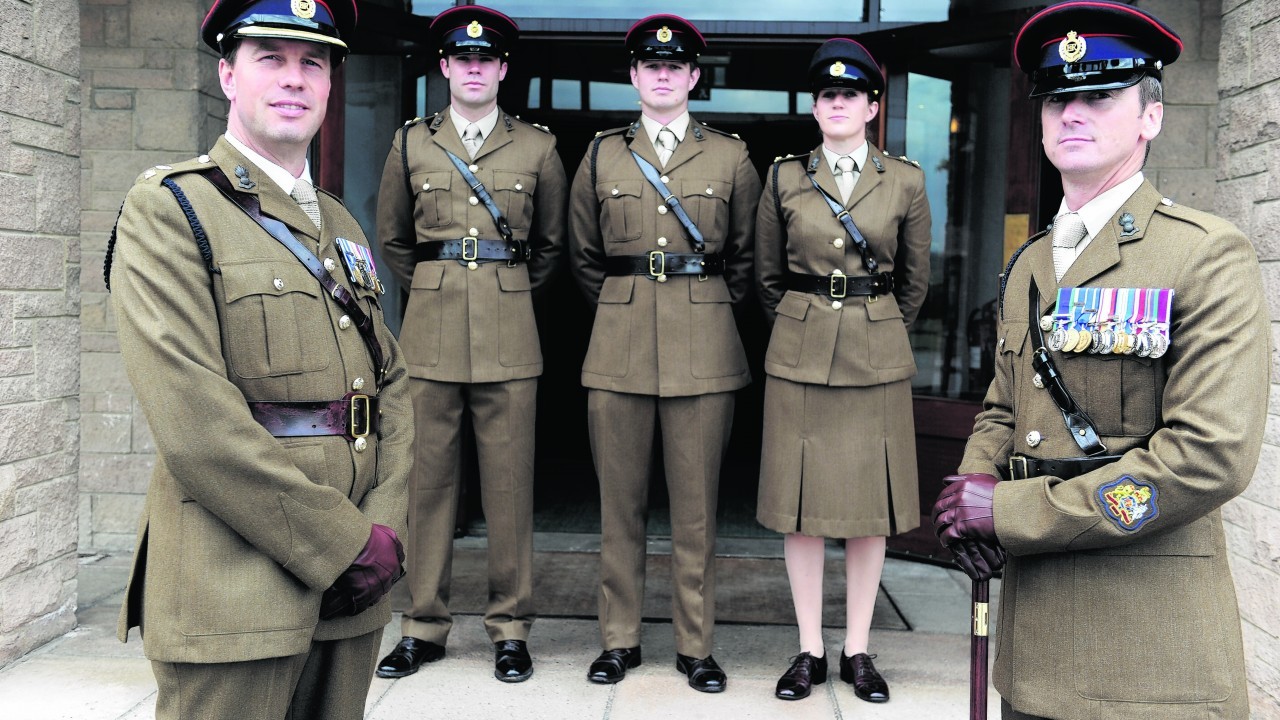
(916, 11)
(812, 11)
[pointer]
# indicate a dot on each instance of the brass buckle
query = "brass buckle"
(475, 249)
(843, 285)
(657, 269)
(1014, 462)
(360, 422)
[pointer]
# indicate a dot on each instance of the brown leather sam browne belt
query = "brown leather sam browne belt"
(354, 416)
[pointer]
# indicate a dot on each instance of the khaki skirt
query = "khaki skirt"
(838, 461)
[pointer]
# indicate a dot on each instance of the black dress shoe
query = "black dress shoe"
(704, 675)
(612, 665)
(805, 671)
(410, 653)
(511, 661)
(867, 683)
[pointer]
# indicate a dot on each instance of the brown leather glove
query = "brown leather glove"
(371, 575)
(978, 559)
(963, 509)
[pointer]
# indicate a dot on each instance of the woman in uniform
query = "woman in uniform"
(842, 265)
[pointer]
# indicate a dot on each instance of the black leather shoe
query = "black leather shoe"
(612, 665)
(805, 671)
(704, 675)
(867, 683)
(410, 653)
(511, 661)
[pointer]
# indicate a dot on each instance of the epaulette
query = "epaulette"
(902, 158)
(1008, 268)
(613, 131)
(543, 128)
(784, 158)
(417, 120)
(158, 173)
(1203, 220)
(695, 126)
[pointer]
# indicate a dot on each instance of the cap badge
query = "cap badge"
(664, 34)
(1072, 47)
(837, 69)
(305, 9)
(474, 30)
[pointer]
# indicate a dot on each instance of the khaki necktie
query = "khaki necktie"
(666, 145)
(1068, 231)
(305, 195)
(846, 170)
(471, 139)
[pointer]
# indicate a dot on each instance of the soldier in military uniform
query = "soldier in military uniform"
(1128, 406)
(842, 266)
(277, 397)
(471, 220)
(661, 221)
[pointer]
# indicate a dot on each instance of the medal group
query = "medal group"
(1110, 321)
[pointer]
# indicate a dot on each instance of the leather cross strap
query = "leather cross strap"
(469, 249)
(846, 220)
(673, 202)
(1078, 423)
(278, 230)
(477, 187)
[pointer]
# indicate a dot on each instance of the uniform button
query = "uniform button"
(710, 191)
(329, 264)
(473, 232)
(519, 186)
(473, 200)
(662, 278)
(426, 186)
(615, 191)
(344, 322)
(360, 444)
(473, 168)
(357, 384)
(203, 158)
(472, 265)
(1001, 343)
(662, 242)
(666, 179)
(1038, 381)
(1033, 438)
(662, 209)
(279, 284)
(838, 242)
(836, 305)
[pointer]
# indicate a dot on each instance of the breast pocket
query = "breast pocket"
(707, 203)
(787, 340)
(1119, 391)
(513, 193)
(269, 305)
(433, 206)
(619, 209)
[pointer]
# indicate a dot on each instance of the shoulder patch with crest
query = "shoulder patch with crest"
(1128, 503)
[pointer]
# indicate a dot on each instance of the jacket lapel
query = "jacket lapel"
(868, 179)
(688, 149)
(818, 169)
(1103, 251)
(499, 138)
(252, 180)
(446, 136)
(638, 142)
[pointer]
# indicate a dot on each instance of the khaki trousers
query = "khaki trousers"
(502, 415)
(695, 430)
(331, 682)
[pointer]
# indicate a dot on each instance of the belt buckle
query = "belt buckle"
(843, 285)
(658, 269)
(475, 249)
(1018, 467)
(359, 423)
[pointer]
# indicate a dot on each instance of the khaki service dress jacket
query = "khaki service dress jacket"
(242, 532)
(461, 325)
(675, 338)
(1097, 621)
(864, 342)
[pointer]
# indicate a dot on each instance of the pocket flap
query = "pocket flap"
(883, 307)
(618, 188)
(794, 305)
(514, 181)
(430, 181)
(426, 276)
(513, 279)
(617, 289)
(705, 189)
(1015, 336)
(266, 277)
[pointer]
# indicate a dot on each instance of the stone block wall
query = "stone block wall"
(1248, 179)
(149, 95)
(39, 325)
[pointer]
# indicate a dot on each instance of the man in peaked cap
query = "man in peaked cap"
(471, 220)
(276, 395)
(662, 267)
(1115, 452)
